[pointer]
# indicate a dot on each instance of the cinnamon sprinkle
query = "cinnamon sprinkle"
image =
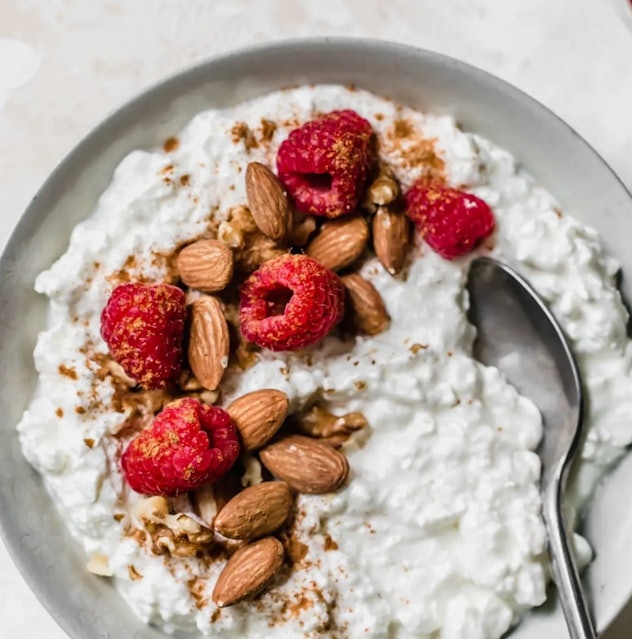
(68, 372)
(268, 127)
(170, 145)
(241, 132)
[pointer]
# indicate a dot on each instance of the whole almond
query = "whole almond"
(209, 342)
(268, 202)
(206, 265)
(391, 239)
(256, 511)
(306, 464)
(248, 571)
(368, 312)
(339, 242)
(258, 416)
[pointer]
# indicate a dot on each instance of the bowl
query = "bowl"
(51, 562)
(624, 7)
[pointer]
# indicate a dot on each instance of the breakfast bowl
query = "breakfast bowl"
(33, 529)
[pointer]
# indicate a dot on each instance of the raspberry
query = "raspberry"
(290, 302)
(143, 327)
(451, 221)
(188, 444)
(324, 164)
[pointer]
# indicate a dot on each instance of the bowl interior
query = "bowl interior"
(562, 162)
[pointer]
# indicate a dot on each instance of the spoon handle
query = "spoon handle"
(565, 575)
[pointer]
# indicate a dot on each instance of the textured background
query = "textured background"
(65, 64)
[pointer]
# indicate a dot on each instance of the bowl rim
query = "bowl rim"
(36, 210)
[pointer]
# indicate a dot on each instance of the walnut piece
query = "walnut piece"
(320, 423)
(177, 534)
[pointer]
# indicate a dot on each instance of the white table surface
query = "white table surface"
(65, 64)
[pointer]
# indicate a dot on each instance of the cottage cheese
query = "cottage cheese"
(438, 532)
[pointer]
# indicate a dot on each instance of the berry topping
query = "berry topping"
(143, 327)
(188, 444)
(290, 302)
(325, 163)
(451, 221)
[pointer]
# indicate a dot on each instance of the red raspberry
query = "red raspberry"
(324, 164)
(188, 444)
(143, 327)
(451, 221)
(290, 302)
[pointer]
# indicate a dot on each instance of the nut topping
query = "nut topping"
(391, 238)
(258, 416)
(339, 242)
(307, 465)
(206, 265)
(209, 342)
(178, 534)
(206, 504)
(368, 312)
(302, 231)
(318, 422)
(268, 202)
(383, 190)
(99, 565)
(248, 571)
(255, 512)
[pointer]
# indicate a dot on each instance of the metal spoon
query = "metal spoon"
(519, 335)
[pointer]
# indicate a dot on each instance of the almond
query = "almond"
(391, 239)
(305, 464)
(268, 202)
(206, 265)
(258, 416)
(256, 511)
(248, 571)
(339, 242)
(209, 342)
(368, 312)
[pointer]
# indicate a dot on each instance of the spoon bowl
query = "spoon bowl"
(518, 334)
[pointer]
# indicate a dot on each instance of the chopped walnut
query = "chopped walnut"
(183, 526)
(253, 473)
(238, 225)
(119, 374)
(99, 565)
(178, 534)
(206, 504)
(147, 403)
(188, 382)
(302, 231)
(152, 509)
(251, 247)
(318, 422)
(209, 397)
(383, 190)
(258, 249)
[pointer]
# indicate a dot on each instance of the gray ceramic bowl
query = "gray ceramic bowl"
(87, 606)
